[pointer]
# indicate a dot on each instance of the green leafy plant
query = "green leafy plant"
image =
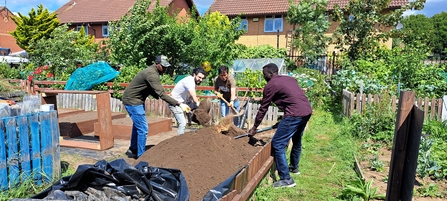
(427, 166)
(359, 188)
(376, 122)
(432, 190)
(376, 164)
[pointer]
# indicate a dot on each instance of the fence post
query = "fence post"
(444, 108)
(407, 136)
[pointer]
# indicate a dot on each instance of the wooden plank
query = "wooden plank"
(419, 103)
(80, 144)
(251, 186)
(426, 105)
(358, 103)
(22, 123)
(406, 102)
(3, 167)
(55, 146)
(363, 102)
(439, 106)
(433, 109)
(104, 121)
(351, 104)
(376, 98)
(13, 152)
(36, 157)
(46, 140)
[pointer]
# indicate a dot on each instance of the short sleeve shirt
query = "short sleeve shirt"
(181, 90)
(224, 87)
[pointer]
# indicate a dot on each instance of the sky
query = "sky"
(24, 6)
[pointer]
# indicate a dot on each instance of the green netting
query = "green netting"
(87, 77)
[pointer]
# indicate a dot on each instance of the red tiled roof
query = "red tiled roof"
(84, 11)
(263, 7)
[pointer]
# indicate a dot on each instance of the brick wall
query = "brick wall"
(6, 26)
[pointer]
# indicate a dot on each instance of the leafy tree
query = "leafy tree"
(138, 37)
(39, 24)
(364, 24)
(418, 28)
(63, 48)
(313, 23)
(440, 32)
(214, 39)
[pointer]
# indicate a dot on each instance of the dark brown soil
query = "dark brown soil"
(201, 115)
(205, 157)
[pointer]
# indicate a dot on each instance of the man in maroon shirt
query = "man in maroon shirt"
(285, 92)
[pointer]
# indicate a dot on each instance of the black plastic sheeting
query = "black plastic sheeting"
(222, 189)
(140, 181)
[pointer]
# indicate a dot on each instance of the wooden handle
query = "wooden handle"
(228, 104)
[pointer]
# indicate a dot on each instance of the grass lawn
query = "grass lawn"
(326, 163)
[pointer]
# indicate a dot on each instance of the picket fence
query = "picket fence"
(32, 149)
(159, 108)
(433, 108)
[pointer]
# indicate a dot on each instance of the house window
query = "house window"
(273, 23)
(78, 28)
(105, 30)
(244, 24)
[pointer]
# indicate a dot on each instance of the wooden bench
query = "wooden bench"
(104, 127)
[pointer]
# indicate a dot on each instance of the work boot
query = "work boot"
(284, 183)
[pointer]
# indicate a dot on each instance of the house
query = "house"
(266, 22)
(95, 15)
(6, 26)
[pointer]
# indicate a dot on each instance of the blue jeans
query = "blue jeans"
(289, 127)
(139, 128)
(180, 117)
(225, 110)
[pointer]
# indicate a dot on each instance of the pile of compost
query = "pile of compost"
(206, 157)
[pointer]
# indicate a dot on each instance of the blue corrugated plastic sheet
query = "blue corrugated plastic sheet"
(87, 77)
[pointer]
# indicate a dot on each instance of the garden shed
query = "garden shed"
(240, 65)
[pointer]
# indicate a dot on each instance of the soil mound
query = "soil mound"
(205, 157)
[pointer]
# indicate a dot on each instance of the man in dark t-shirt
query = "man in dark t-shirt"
(285, 92)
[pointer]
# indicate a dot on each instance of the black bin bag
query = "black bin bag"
(117, 180)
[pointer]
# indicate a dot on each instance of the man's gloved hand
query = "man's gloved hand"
(231, 104)
(185, 108)
(219, 95)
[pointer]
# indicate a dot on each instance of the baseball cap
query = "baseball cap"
(163, 60)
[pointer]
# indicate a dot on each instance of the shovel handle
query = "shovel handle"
(228, 104)
(258, 131)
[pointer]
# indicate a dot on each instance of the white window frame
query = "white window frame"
(105, 27)
(78, 27)
(244, 21)
(273, 18)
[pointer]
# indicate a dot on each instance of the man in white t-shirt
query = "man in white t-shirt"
(185, 92)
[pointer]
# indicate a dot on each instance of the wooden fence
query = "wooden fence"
(159, 108)
(432, 108)
(32, 150)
